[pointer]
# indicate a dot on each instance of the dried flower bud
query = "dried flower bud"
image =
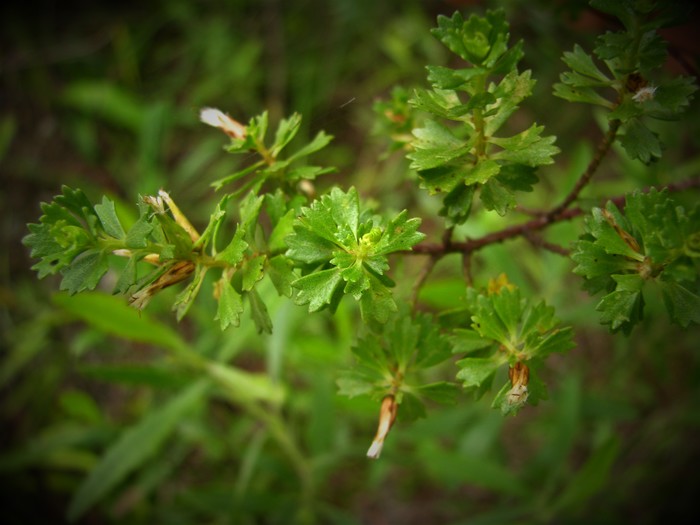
(644, 94)
(519, 377)
(178, 272)
(155, 202)
(387, 415)
(221, 120)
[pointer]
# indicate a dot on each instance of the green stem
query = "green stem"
(479, 123)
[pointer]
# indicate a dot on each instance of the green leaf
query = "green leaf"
(184, 299)
(527, 148)
(317, 288)
(435, 146)
(592, 477)
(580, 94)
(475, 370)
(152, 375)
(320, 141)
(259, 313)
(307, 247)
(111, 315)
(244, 386)
(606, 226)
(640, 142)
(106, 101)
(234, 252)
(286, 131)
(252, 271)
(230, 305)
(621, 309)
(581, 62)
(466, 341)
(683, 305)
(133, 448)
(441, 392)
(280, 270)
(138, 234)
(478, 40)
(377, 303)
(495, 196)
(108, 217)
(84, 272)
(400, 234)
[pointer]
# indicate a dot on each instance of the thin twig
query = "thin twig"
(539, 242)
(592, 167)
(533, 225)
(422, 276)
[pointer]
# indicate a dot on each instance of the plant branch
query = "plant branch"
(519, 230)
(602, 150)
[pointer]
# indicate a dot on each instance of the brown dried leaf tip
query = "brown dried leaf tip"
(387, 416)
(178, 272)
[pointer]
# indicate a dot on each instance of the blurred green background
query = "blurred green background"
(105, 97)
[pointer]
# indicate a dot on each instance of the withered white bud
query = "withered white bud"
(221, 120)
(644, 94)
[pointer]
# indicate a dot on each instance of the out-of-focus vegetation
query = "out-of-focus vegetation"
(105, 97)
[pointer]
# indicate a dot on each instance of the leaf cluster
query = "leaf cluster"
(392, 364)
(628, 89)
(271, 167)
(652, 240)
(507, 329)
(343, 249)
(459, 148)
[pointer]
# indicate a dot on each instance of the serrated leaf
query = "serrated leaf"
(230, 305)
(435, 146)
(640, 142)
(400, 234)
(317, 288)
(465, 341)
(478, 40)
(307, 247)
(320, 141)
(441, 392)
(621, 309)
(607, 227)
(286, 131)
(215, 220)
(495, 196)
(475, 370)
(252, 271)
(458, 204)
(527, 147)
(580, 94)
(280, 271)
(184, 299)
(137, 236)
(510, 92)
(84, 272)
(259, 313)
(108, 217)
(682, 305)
(352, 385)
(581, 62)
(377, 302)
(233, 253)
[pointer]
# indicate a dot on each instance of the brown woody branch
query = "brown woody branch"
(529, 227)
